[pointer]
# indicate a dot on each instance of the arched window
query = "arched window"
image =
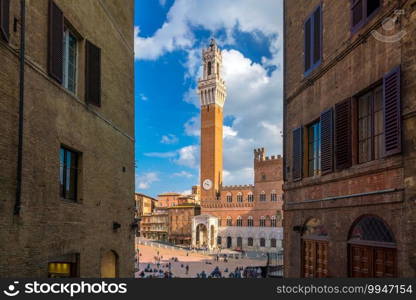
(240, 242)
(262, 242)
(273, 222)
(239, 197)
(273, 243)
(262, 221)
(250, 197)
(372, 241)
(229, 221)
(229, 197)
(273, 196)
(250, 221)
(250, 242)
(209, 68)
(263, 196)
(239, 221)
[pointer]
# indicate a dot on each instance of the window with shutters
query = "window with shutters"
(370, 125)
(68, 174)
(314, 149)
(327, 152)
(93, 74)
(362, 11)
(297, 153)
(392, 112)
(4, 19)
(313, 40)
(70, 60)
(342, 132)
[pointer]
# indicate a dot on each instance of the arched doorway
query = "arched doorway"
(229, 242)
(109, 265)
(371, 249)
(314, 249)
(201, 235)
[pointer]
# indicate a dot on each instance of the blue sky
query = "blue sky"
(169, 36)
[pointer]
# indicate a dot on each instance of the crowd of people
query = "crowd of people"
(164, 269)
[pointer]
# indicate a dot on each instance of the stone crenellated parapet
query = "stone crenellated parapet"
(246, 187)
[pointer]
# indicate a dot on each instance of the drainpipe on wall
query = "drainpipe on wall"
(17, 205)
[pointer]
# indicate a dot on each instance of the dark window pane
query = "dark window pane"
(314, 149)
(372, 6)
(68, 174)
(62, 172)
(308, 46)
(357, 13)
(317, 36)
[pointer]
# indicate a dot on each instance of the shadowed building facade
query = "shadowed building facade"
(349, 139)
(67, 202)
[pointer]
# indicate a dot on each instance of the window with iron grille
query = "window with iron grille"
(250, 222)
(68, 174)
(250, 197)
(240, 198)
(250, 242)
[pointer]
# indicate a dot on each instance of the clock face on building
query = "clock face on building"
(207, 184)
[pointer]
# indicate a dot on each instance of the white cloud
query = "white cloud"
(254, 93)
(143, 97)
(192, 126)
(186, 192)
(169, 139)
(176, 33)
(188, 156)
(144, 181)
(183, 174)
(161, 154)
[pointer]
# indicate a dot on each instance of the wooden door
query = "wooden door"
(368, 261)
(315, 258)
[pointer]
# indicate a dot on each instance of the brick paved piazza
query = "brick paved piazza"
(197, 262)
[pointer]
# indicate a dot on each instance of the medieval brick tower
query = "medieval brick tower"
(212, 93)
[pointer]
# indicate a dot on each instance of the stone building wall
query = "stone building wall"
(49, 228)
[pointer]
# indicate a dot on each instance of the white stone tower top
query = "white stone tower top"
(211, 87)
